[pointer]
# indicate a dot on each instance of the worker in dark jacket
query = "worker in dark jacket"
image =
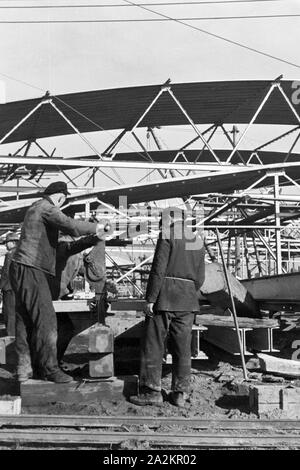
(33, 261)
(177, 273)
(69, 261)
(8, 296)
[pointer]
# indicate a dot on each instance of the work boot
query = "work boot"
(149, 397)
(59, 377)
(24, 373)
(178, 399)
(23, 376)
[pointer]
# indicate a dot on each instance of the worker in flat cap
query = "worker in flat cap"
(8, 296)
(33, 261)
(177, 273)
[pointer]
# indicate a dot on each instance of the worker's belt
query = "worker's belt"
(179, 278)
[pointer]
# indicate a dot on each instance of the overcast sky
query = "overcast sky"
(74, 57)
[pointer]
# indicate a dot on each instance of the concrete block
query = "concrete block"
(10, 406)
(101, 339)
(126, 326)
(40, 392)
(102, 365)
(264, 398)
(290, 402)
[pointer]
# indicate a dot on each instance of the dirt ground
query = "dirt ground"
(212, 395)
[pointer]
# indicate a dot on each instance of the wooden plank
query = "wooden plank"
(39, 392)
(277, 365)
(222, 320)
(65, 306)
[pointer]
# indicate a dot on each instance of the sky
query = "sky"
(65, 58)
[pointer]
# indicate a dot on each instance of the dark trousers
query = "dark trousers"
(179, 327)
(9, 311)
(65, 332)
(36, 325)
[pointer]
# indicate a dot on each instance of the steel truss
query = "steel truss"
(258, 240)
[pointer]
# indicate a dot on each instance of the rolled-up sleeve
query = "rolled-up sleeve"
(158, 269)
(76, 228)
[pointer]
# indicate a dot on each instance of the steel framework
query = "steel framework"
(252, 223)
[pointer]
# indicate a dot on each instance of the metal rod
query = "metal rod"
(257, 255)
(235, 319)
(134, 269)
(251, 122)
(23, 120)
(194, 126)
(247, 256)
(125, 275)
(230, 204)
(228, 250)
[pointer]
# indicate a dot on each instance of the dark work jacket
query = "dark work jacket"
(39, 235)
(68, 263)
(177, 271)
(5, 284)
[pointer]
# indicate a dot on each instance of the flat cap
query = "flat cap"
(57, 187)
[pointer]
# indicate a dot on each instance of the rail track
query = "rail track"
(112, 432)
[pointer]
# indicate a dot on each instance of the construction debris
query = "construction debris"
(277, 365)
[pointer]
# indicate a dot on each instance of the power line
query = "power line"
(217, 36)
(118, 5)
(151, 20)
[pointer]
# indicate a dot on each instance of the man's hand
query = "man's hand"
(103, 229)
(149, 309)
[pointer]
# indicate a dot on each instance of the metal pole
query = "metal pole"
(228, 250)
(235, 319)
(256, 255)
(277, 226)
(247, 256)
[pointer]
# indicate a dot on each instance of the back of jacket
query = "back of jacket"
(177, 270)
(39, 235)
